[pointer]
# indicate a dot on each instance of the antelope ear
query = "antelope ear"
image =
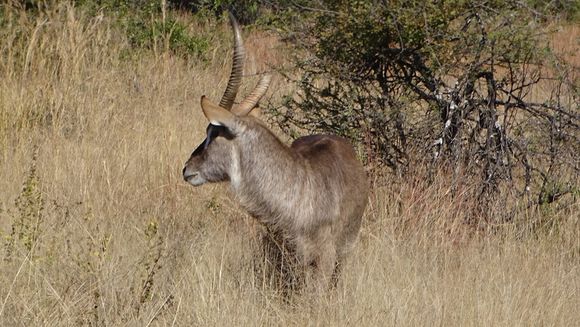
(216, 114)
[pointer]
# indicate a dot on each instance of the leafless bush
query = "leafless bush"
(461, 87)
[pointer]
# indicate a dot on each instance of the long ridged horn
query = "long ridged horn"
(252, 100)
(229, 96)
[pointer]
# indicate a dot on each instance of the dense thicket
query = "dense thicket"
(472, 88)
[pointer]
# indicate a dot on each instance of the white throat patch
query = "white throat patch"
(235, 169)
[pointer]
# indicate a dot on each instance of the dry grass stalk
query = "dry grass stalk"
(124, 240)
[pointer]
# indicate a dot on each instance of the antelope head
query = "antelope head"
(211, 161)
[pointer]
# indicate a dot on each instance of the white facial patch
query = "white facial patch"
(196, 180)
(193, 177)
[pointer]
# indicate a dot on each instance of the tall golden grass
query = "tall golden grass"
(98, 228)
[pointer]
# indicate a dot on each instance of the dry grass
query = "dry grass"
(105, 232)
(566, 42)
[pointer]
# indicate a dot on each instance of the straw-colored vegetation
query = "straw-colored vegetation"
(97, 226)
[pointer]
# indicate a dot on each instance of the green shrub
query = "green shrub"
(170, 34)
(146, 23)
(441, 84)
(27, 222)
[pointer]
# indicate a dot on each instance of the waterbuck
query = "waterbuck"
(310, 196)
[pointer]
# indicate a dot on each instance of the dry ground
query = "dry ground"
(98, 228)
